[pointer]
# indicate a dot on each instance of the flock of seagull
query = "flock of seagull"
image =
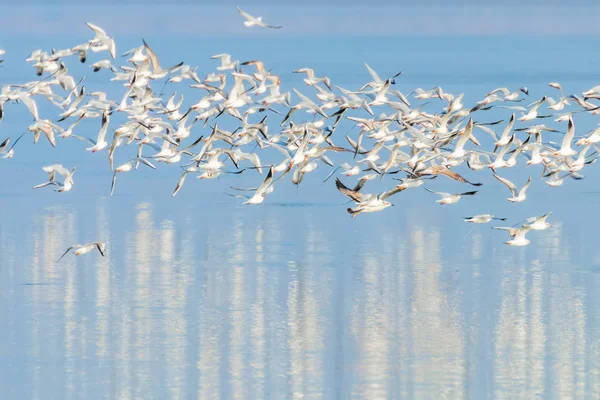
(397, 140)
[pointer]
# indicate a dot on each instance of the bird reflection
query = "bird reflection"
(411, 315)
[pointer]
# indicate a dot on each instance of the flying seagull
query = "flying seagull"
(86, 248)
(255, 21)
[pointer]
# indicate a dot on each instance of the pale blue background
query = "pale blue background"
(201, 297)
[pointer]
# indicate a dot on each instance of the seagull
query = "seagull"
(54, 169)
(565, 148)
(519, 196)
(538, 223)
(311, 79)
(226, 63)
(262, 191)
(255, 21)
(443, 170)
(367, 202)
(305, 103)
(517, 235)
(482, 219)
(448, 198)
(102, 42)
(158, 72)
(519, 238)
(85, 248)
(104, 64)
(100, 142)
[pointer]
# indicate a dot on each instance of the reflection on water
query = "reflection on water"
(269, 305)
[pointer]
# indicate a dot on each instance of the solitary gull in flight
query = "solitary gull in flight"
(85, 248)
(255, 21)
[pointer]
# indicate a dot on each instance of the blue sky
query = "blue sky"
(386, 18)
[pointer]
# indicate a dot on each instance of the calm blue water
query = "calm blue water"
(201, 297)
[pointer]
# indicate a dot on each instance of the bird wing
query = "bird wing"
(569, 135)
(103, 127)
(100, 34)
(391, 192)
(511, 231)
(56, 168)
(511, 186)
(100, 246)
(265, 185)
(246, 15)
(179, 183)
(520, 234)
(525, 187)
(305, 99)
(438, 193)
(356, 196)
(255, 160)
(114, 181)
(112, 48)
(144, 161)
(373, 74)
(31, 105)
(65, 253)
(441, 170)
(153, 57)
(468, 193)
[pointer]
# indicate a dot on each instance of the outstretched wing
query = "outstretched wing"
(153, 57)
(114, 181)
(441, 170)
(100, 247)
(391, 192)
(373, 74)
(65, 253)
(100, 34)
(511, 186)
(265, 185)
(144, 161)
(356, 196)
(246, 15)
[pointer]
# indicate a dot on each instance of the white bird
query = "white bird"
(519, 196)
(519, 238)
(367, 202)
(350, 170)
(517, 235)
(565, 148)
(311, 79)
(532, 113)
(102, 42)
(255, 21)
(54, 169)
(538, 223)
(261, 191)
(482, 219)
(106, 64)
(448, 198)
(85, 248)
(226, 63)
(100, 142)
